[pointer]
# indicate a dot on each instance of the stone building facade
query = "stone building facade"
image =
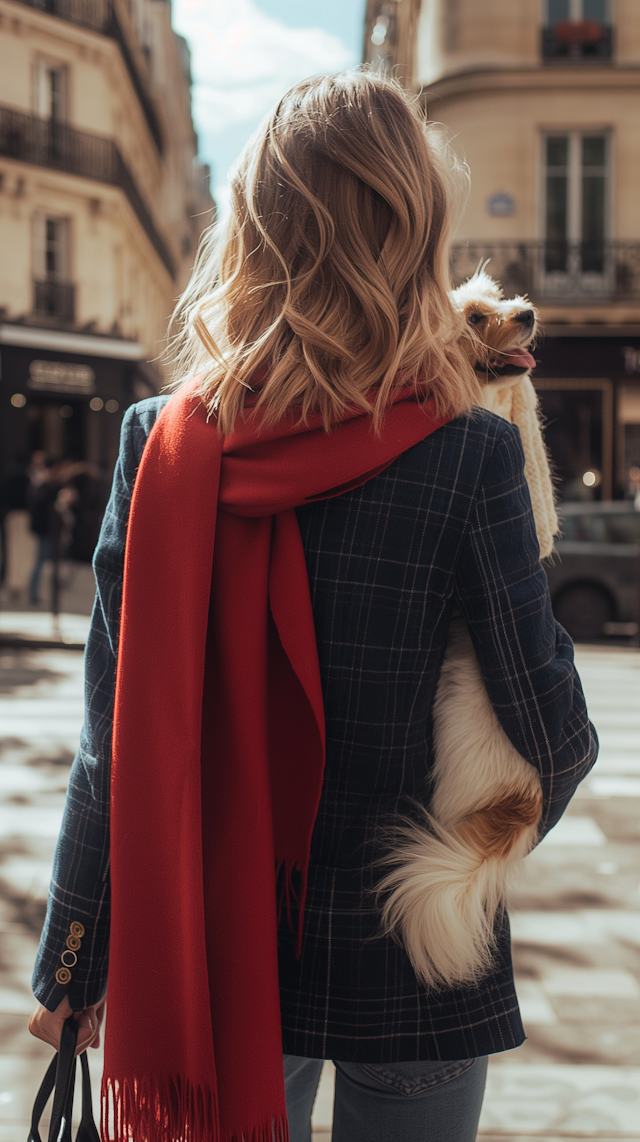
(542, 100)
(102, 200)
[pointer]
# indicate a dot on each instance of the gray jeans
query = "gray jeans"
(391, 1102)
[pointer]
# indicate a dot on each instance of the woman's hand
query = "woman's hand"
(47, 1025)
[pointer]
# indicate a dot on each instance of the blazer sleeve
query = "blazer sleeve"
(79, 895)
(526, 657)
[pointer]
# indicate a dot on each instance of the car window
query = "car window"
(623, 528)
(605, 528)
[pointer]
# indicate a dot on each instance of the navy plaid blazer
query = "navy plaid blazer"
(448, 525)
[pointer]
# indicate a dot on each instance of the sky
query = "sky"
(246, 53)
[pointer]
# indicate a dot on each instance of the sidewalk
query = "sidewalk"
(77, 590)
(575, 913)
(22, 622)
(40, 715)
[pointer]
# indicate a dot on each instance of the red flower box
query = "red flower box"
(578, 32)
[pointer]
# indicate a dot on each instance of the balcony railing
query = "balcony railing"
(56, 300)
(102, 16)
(45, 143)
(564, 272)
(582, 42)
(93, 14)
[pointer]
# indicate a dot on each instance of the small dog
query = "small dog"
(507, 329)
(449, 871)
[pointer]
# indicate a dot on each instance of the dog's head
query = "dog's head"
(507, 327)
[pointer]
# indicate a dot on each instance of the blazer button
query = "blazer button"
(74, 943)
(77, 929)
(69, 959)
(63, 975)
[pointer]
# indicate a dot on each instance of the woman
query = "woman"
(300, 521)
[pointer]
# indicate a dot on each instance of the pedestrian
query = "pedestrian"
(52, 496)
(88, 509)
(41, 495)
(299, 519)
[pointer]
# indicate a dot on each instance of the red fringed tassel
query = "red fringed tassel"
(277, 1131)
(150, 1109)
(153, 1110)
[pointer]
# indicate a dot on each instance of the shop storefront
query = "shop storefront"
(65, 394)
(62, 397)
(589, 386)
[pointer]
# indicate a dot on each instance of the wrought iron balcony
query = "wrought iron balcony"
(56, 300)
(45, 143)
(581, 42)
(573, 273)
(93, 14)
(102, 16)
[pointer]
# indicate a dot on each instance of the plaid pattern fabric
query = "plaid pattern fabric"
(449, 524)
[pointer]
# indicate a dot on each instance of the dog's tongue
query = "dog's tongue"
(519, 357)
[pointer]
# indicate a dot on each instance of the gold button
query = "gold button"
(63, 975)
(74, 942)
(76, 929)
(69, 959)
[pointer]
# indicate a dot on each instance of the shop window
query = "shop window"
(629, 420)
(578, 415)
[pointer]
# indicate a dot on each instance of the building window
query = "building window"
(54, 293)
(576, 194)
(577, 30)
(51, 91)
(560, 11)
(51, 248)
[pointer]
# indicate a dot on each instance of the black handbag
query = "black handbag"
(61, 1075)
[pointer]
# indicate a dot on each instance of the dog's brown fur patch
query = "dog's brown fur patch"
(495, 830)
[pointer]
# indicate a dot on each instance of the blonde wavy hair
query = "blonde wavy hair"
(328, 286)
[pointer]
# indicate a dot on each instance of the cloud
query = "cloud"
(243, 60)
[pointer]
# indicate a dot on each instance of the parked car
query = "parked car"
(594, 577)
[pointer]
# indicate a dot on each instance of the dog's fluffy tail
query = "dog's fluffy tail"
(445, 887)
(448, 870)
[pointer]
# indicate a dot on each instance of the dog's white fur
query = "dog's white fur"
(448, 872)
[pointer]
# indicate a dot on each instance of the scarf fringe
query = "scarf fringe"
(278, 1131)
(150, 1109)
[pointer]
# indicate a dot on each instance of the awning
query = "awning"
(30, 337)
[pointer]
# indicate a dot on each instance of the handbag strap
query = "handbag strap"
(60, 1124)
(87, 1130)
(41, 1100)
(61, 1076)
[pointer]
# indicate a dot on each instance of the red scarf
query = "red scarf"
(218, 754)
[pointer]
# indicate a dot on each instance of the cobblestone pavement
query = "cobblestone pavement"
(575, 914)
